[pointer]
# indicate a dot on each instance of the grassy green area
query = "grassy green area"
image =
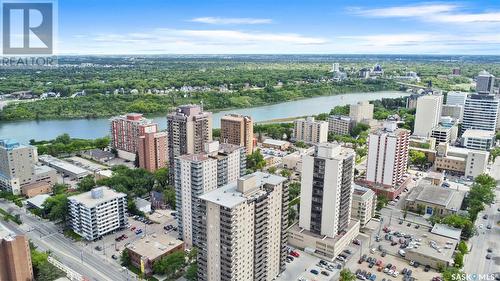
(9, 217)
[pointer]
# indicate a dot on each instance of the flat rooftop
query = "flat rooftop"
(275, 142)
(63, 165)
(448, 198)
(470, 133)
(154, 246)
(228, 195)
(88, 201)
(447, 231)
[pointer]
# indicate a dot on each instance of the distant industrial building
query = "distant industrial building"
(310, 131)
(237, 129)
(15, 256)
(276, 144)
(98, 212)
(244, 229)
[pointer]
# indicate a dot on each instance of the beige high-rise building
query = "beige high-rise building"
(244, 230)
(17, 165)
(427, 115)
(326, 190)
(15, 257)
(152, 151)
(363, 110)
(310, 131)
(196, 174)
(364, 202)
(188, 128)
(237, 129)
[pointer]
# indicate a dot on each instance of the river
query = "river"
(23, 131)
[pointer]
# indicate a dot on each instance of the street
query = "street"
(475, 261)
(46, 236)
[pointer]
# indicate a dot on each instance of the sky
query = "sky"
(278, 27)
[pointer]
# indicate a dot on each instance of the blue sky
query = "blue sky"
(257, 26)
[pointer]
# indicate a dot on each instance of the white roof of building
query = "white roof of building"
(87, 200)
(275, 142)
(446, 231)
(63, 165)
(38, 200)
(471, 133)
(154, 246)
(228, 195)
(142, 203)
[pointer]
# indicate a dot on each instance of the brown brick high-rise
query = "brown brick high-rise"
(15, 257)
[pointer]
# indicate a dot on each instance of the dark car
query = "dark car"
(427, 268)
(314, 271)
(114, 257)
(485, 216)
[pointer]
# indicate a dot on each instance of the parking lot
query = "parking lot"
(300, 268)
(110, 246)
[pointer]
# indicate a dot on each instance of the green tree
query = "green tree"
(60, 188)
(382, 201)
(192, 272)
(293, 190)
(56, 207)
(272, 170)
(459, 260)
(462, 247)
(161, 177)
(255, 161)
(418, 158)
(169, 196)
(86, 184)
(347, 275)
(170, 264)
(292, 215)
(285, 173)
(125, 259)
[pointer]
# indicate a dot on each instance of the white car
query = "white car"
(390, 272)
(386, 270)
(395, 274)
(481, 226)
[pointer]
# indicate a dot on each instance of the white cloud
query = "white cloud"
(219, 20)
(430, 12)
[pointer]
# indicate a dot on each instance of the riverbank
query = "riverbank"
(104, 106)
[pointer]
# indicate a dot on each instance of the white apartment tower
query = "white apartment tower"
(310, 131)
(480, 113)
(196, 174)
(387, 155)
(98, 212)
(243, 230)
(326, 190)
(427, 115)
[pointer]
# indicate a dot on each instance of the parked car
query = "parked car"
(427, 268)
(295, 254)
(314, 271)
(114, 257)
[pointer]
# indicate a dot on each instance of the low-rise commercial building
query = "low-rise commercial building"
(151, 249)
(461, 161)
(339, 125)
(364, 202)
(98, 212)
(478, 139)
(434, 200)
(276, 144)
(64, 167)
(320, 245)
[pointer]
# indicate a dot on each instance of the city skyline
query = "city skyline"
(228, 27)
